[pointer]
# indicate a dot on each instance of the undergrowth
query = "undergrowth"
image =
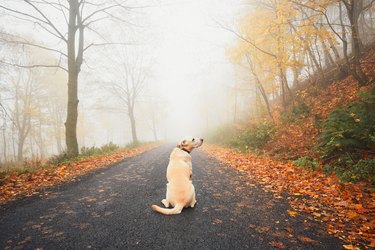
(347, 138)
(346, 143)
(248, 138)
(33, 165)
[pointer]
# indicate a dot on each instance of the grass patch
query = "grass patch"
(249, 138)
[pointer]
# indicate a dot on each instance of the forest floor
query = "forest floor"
(296, 139)
(346, 210)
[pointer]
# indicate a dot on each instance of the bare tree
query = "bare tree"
(131, 72)
(154, 112)
(23, 96)
(68, 22)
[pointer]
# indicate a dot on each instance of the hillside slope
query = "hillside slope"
(298, 138)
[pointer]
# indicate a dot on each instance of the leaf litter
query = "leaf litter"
(31, 183)
(346, 209)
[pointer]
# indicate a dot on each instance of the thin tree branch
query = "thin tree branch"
(47, 19)
(33, 66)
(246, 40)
(105, 44)
(32, 45)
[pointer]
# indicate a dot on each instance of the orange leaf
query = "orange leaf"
(292, 213)
(307, 240)
(351, 247)
(277, 244)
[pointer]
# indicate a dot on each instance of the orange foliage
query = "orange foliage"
(347, 209)
(298, 139)
(30, 183)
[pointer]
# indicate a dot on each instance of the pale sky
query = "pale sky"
(192, 66)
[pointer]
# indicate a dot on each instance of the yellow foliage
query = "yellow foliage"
(275, 37)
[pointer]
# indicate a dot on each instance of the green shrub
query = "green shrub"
(346, 134)
(57, 159)
(350, 130)
(364, 170)
(88, 151)
(107, 148)
(306, 162)
(223, 135)
(253, 137)
(298, 111)
(328, 170)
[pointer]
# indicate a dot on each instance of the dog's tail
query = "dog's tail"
(168, 211)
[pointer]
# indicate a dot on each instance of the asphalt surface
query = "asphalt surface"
(110, 209)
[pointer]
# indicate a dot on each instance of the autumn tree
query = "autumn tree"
(350, 10)
(281, 39)
(267, 45)
(66, 23)
(354, 10)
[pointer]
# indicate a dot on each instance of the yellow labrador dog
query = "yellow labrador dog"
(180, 190)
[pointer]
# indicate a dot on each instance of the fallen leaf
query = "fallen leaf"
(277, 244)
(307, 240)
(351, 247)
(292, 213)
(91, 200)
(217, 221)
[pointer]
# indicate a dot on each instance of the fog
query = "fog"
(160, 70)
(176, 50)
(190, 74)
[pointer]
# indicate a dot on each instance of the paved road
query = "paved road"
(110, 209)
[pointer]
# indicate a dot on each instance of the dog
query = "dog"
(180, 189)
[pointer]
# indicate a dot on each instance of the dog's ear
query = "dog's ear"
(182, 144)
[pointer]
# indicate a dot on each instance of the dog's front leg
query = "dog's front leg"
(193, 200)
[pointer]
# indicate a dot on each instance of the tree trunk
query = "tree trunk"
(356, 43)
(72, 116)
(327, 56)
(264, 95)
(73, 72)
(21, 142)
(154, 129)
(5, 143)
(133, 127)
(285, 87)
(335, 51)
(315, 61)
(354, 9)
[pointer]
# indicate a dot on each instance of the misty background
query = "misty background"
(79, 73)
(176, 50)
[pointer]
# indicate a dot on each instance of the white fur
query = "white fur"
(180, 189)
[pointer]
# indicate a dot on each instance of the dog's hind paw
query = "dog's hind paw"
(165, 203)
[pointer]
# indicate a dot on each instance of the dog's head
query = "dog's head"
(188, 144)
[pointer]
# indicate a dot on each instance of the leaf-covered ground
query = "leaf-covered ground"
(30, 183)
(297, 139)
(346, 210)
